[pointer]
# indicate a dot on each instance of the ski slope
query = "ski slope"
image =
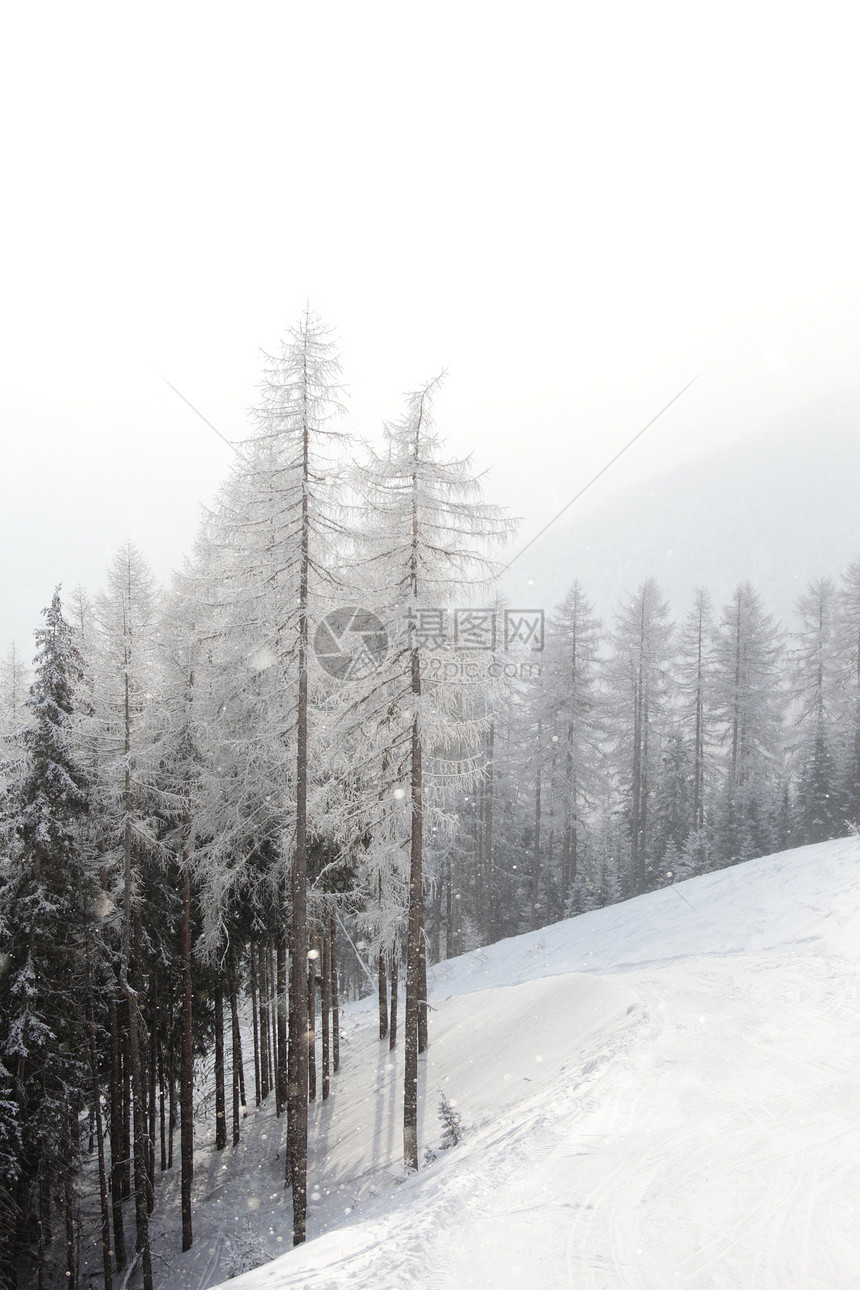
(665, 1092)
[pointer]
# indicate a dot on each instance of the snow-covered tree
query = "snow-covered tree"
(427, 544)
(750, 705)
(638, 675)
(47, 904)
(816, 692)
(14, 685)
(848, 644)
(275, 526)
(126, 716)
(672, 805)
(572, 722)
(697, 717)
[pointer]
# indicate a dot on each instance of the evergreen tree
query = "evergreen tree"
(638, 674)
(14, 686)
(815, 689)
(426, 545)
(672, 807)
(848, 645)
(573, 721)
(750, 706)
(276, 525)
(168, 883)
(696, 643)
(509, 878)
(128, 719)
(48, 899)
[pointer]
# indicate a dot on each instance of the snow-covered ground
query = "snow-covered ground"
(662, 1093)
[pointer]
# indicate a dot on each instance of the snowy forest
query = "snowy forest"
(327, 755)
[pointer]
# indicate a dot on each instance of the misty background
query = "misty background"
(574, 210)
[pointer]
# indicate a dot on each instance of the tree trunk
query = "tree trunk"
(423, 1038)
(141, 1210)
(536, 859)
(312, 1020)
(235, 1048)
(272, 1021)
(125, 1153)
(69, 1208)
(281, 1014)
(116, 1134)
(265, 1083)
(162, 1119)
(413, 945)
(392, 1012)
(243, 1100)
(255, 1024)
(451, 916)
(325, 1003)
(150, 1101)
(492, 903)
(100, 1146)
(220, 1102)
(45, 1233)
(478, 891)
(186, 1072)
(382, 992)
(171, 1096)
(335, 999)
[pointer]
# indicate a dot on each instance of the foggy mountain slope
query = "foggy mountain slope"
(776, 510)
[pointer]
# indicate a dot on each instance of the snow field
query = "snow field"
(665, 1092)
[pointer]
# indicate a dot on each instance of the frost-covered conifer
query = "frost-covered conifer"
(848, 640)
(14, 686)
(638, 674)
(750, 707)
(672, 805)
(128, 720)
(275, 528)
(695, 702)
(427, 545)
(573, 724)
(47, 899)
(817, 694)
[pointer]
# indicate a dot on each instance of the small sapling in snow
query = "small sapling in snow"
(452, 1129)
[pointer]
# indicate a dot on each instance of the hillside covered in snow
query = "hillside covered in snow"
(663, 1092)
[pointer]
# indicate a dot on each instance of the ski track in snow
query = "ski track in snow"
(694, 1180)
(652, 1096)
(714, 1183)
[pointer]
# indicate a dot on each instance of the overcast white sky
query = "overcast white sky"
(574, 208)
